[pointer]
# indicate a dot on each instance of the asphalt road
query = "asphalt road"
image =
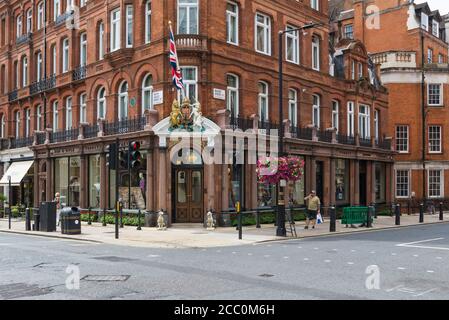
(408, 263)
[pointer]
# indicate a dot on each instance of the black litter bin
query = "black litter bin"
(36, 218)
(70, 220)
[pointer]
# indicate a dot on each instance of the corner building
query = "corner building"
(67, 93)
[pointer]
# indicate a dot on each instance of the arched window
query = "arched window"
(40, 15)
(100, 41)
(55, 116)
(83, 49)
(232, 102)
(38, 117)
(83, 108)
(29, 21)
(19, 26)
(316, 111)
(293, 107)
(24, 71)
(27, 122)
(263, 101)
(39, 66)
(68, 113)
(65, 55)
(101, 103)
(17, 120)
(148, 21)
(123, 101)
(316, 53)
(147, 93)
(335, 115)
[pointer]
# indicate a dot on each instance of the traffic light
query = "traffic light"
(111, 156)
(135, 155)
(123, 159)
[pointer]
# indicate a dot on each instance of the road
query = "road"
(408, 263)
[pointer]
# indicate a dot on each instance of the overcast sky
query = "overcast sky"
(442, 5)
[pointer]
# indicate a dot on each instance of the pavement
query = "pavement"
(408, 264)
(195, 236)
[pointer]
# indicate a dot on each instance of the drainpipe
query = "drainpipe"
(423, 117)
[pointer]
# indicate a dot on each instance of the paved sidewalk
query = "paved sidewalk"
(194, 235)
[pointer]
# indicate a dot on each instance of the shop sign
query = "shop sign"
(158, 97)
(219, 94)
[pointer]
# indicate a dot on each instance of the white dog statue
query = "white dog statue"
(210, 221)
(161, 221)
(197, 116)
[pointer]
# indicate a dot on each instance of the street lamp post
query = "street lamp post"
(280, 219)
(9, 202)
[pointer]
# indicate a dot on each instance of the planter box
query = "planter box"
(224, 220)
(150, 219)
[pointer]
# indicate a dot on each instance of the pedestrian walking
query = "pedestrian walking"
(313, 208)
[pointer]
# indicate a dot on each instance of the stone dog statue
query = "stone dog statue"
(161, 221)
(210, 221)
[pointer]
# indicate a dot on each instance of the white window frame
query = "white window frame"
(148, 5)
(129, 26)
(429, 55)
(399, 134)
(101, 41)
(351, 119)
(68, 113)
(346, 33)
(440, 58)
(3, 126)
(188, 83)
(55, 116)
(293, 37)
(38, 117)
(83, 107)
(83, 49)
(429, 184)
(40, 15)
(101, 101)
(188, 7)
(232, 19)
(433, 140)
(315, 4)
(293, 107)
(408, 184)
(70, 5)
(83, 3)
(39, 73)
(360, 70)
(336, 115)
(376, 124)
(364, 122)
(266, 29)
(54, 59)
(424, 21)
(65, 55)
(24, 72)
(19, 26)
(263, 100)
(435, 30)
(17, 119)
(316, 53)
(429, 94)
(352, 69)
(147, 90)
(29, 22)
(123, 101)
(115, 30)
(27, 122)
(234, 93)
(56, 9)
(316, 110)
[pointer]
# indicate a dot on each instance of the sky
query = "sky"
(442, 5)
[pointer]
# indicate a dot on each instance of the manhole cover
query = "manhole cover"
(106, 278)
(21, 290)
(114, 259)
(266, 275)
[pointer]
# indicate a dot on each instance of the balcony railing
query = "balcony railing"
(40, 137)
(91, 131)
(395, 59)
(63, 17)
(364, 142)
(302, 133)
(25, 38)
(239, 122)
(191, 42)
(21, 142)
(384, 144)
(324, 136)
(347, 140)
(43, 85)
(13, 95)
(268, 127)
(4, 144)
(125, 126)
(64, 135)
(79, 73)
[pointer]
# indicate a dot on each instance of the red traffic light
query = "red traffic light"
(135, 146)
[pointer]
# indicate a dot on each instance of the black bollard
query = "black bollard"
(121, 215)
(333, 219)
(398, 214)
(104, 218)
(441, 211)
(369, 215)
(138, 221)
(37, 219)
(257, 219)
(27, 219)
(237, 207)
(89, 222)
(421, 213)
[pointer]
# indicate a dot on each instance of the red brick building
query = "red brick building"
(409, 43)
(71, 88)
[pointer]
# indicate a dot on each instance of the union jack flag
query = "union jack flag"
(175, 69)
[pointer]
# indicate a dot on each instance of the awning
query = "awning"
(17, 170)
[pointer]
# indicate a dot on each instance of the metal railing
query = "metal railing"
(384, 144)
(21, 142)
(302, 133)
(79, 73)
(63, 17)
(25, 38)
(91, 131)
(40, 137)
(365, 142)
(344, 139)
(267, 127)
(125, 126)
(238, 122)
(43, 85)
(64, 135)
(324, 136)
(4, 144)
(13, 95)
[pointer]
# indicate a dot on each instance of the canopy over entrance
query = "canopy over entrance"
(17, 171)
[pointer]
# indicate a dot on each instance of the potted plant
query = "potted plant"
(2, 205)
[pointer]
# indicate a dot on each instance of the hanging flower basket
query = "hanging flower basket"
(271, 170)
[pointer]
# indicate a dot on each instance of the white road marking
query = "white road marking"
(394, 254)
(401, 268)
(425, 292)
(416, 256)
(153, 256)
(430, 271)
(306, 259)
(415, 244)
(327, 261)
(334, 250)
(373, 252)
(299, 247)
(350, 263)
(439, 258)
(316, 248)
(234, 252)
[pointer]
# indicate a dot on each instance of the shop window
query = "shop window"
(94, 181)
(342, 180)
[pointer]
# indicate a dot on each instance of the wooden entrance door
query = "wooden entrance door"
(189, 195)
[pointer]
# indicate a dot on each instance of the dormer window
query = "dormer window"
(424, 21)
(436, 29)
